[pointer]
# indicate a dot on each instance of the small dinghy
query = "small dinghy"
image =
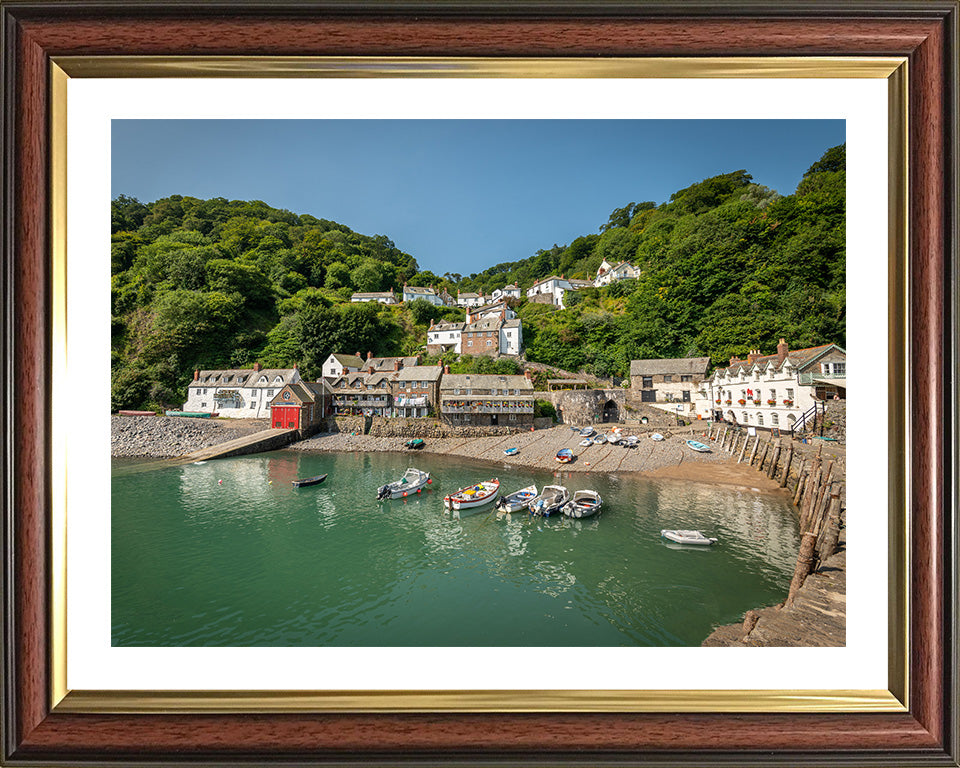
(413, 481)
(475, 495)
(518, 499)
(583, 504)
(614, 438)
(687, 537)
(599, 440)
(565, 456)
(700, 447)
(550, 500)
(586, 442)
(510, 451)
(415, 444)
(656, 436)
(631, 441)
(315, 480)
(587, 431)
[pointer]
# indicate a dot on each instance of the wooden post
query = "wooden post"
(763, 456)
(803, 567)
(773, 461)
(754, 451)
(825, 479)
(723, 436)
(831, 531)
(810, 493)
(801, 476)
(743, 450)
(786, 466)
(733, 443)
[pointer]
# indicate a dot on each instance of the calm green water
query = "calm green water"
(255, 561)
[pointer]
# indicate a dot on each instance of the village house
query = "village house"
(486, 400)
(243, 393)
(496, 308)
(469, 299)
(510, 292)
(447, 299)
(555, 287)
(412, 293)
(670, 382)
(415, 390)
(775, 391)
(302, 405)
(609, 273)
(444, 337)
(386, 297)
(339, 364)
(361, 394)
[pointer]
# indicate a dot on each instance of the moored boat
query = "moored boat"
(599, 440)
(475, 495)
(315, 480)
(413, 481)
(656, 436)
(190, 414)
(614, 438)
(550, 500)
(687, 537)
(700, 447)
(587, 431)
(631, 441)
(511, 451)
(565, 455)
(583, 504)
(586, 442)
(518, 499)
(415, 443)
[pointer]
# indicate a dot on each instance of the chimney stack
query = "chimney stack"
(782, 351)
(369, 355)
(196, 375)
(257, 367)
(372, 368)
(446, 369)
(752, 356)
(396, 364)
(357, 354)
(527, 374)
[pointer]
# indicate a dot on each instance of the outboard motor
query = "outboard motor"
(384, 492)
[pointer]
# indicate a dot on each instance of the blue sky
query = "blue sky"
(458, 195)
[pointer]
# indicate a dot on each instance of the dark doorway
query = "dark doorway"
(494, 419)
(610, 412)
(648, 395)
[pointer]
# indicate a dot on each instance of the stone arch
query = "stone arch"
(611, 412)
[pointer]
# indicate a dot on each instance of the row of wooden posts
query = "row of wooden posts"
(817, 494)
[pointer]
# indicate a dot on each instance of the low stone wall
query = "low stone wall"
(410, 428)
(543, 422)
(345, 424)
(584, 406)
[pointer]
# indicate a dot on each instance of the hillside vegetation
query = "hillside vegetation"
(727, 265)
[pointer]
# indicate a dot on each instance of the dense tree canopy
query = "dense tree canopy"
(726, 265)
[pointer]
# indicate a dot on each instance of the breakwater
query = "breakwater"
(168, 436)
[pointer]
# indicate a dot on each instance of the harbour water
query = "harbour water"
(229, 553)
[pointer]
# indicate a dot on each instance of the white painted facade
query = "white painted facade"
(445, 334)
(469, 300)
(552, 286)
(608, 273)
(340, 365)
(239, 393)
(380, 298)
(412, 293)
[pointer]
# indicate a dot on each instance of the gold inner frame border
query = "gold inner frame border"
(895, 699)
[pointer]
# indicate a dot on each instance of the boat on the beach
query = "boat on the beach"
(415, 443)
(565, 455)
(550, 500)
(190, 414)
(518, 499)
(614, 438)
(687, 537)
(631, 441)
(137, 413)
(511, 451)
(587, 431)
(475, 495)
(700, 447)
(583, 504)
(586, 442)
(599, 440)
(413, 481)
(315, 480)
(656, 436)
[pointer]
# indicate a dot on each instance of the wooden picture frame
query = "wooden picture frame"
(35, 34)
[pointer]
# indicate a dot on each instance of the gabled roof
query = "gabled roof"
(511, 287)
(660, 366)
(513, 322)
(484, 324)
(373, 295)
(581, 283)
(798, 358)
(419, 373)
(484, 381)
(419, 290)
(447, 326)
(468, 296)
(348, 361)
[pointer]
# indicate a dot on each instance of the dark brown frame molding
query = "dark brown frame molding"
(923, 31)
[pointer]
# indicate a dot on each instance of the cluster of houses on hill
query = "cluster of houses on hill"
(548, 290)
(774, 391)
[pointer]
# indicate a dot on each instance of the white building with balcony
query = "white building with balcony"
(775, 391)
(243, 393)
(611, 273)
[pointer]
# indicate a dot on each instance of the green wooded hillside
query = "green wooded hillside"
(728, 265)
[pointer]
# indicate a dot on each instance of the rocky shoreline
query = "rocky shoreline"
(168, 436)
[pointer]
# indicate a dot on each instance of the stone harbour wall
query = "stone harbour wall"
(165, 436)
(584, 406)
(411, 428)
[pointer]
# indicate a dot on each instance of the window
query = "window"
(253, 404)
(775, 420)
(760, 419)
(469, 343)
(667, 377)
(840, 369)
(686, 377)
(789, 394)
(269, 393)
(745, 418)
(203, 405)
(773, 394)
(489, 342)
(647, 381)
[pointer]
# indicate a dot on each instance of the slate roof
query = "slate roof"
(484, 381)
(681, 365)
(419, 373)
(445, 326)
(419, 291)
(244, 377)
(348, 361)
(799, 358)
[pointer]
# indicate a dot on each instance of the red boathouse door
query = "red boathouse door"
(285, 416)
